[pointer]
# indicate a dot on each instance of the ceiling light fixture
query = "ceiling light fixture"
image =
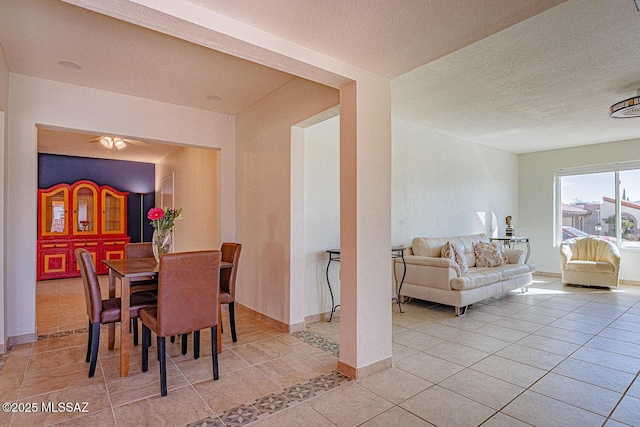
(109, 142)
(70, 65)
(626, 109)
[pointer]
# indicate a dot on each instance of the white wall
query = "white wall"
(537, 199)
(263, 170)
(195, 175)
(4, 103)
(4, 82)
(439, 186)
(443, 186)
(36, 101)
(321, 213)
(365, 165)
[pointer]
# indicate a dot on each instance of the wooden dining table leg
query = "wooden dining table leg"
(124, 327)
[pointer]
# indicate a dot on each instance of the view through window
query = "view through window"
(592, 204)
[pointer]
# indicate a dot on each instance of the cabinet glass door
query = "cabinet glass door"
(112, 213)
(54, 205)
(85, 210)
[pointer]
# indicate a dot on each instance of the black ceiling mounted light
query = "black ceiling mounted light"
(626, 109)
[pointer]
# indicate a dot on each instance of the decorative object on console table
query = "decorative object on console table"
(162, 221)
(509, 231)
(511, 241)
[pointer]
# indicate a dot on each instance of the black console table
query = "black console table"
(334, 255)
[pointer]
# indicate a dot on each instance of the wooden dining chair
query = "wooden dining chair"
(227, 291)
(185, 304)
(103, 311)
(230, 253)
(138, 251)
(143, 283)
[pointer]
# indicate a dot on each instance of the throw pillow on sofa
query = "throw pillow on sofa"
(489, 254)
(456, 254)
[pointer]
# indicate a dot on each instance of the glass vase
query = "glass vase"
(162, 243)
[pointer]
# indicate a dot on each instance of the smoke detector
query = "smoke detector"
(626, 109)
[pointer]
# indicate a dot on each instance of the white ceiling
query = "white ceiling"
(120, 57)
(545, 83)
(385, 37)
(82, 144)
(518, 75)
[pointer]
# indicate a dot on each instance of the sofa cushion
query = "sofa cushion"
(455, 253)
(477, 277)
(432, 246)
(592, 266)
(489, 254)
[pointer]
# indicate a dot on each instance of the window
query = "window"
(594, 200)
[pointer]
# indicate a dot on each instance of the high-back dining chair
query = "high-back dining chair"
(143, 283)
(103, 311)
(230, 253)
(185, 304)
(138, 251)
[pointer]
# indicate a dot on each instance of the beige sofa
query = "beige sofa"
(590, 261)
(433, 278)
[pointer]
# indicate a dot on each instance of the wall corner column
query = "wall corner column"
(365, 227)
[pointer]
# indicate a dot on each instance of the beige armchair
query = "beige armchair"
(590, 261)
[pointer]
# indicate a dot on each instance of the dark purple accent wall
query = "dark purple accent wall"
(134, 177)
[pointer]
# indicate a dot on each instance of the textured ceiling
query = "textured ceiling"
(545, 83)
(385, 37)
(518, 75)
(125, 58)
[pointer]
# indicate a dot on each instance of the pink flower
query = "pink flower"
(155, 214)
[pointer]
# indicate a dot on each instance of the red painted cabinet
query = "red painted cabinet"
(79, 215)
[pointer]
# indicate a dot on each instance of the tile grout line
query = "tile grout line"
(584, 345)
(504, 311)
(243, 415)
(593, 335)
(624, 394)
(287, 397)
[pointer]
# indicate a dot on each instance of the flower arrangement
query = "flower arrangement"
(162, 221)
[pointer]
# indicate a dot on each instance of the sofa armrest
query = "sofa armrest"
(426, 271)
(516, 256)
(612, 256)
(432, 262)
(565, 254)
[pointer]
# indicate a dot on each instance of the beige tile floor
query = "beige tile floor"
(557, 356)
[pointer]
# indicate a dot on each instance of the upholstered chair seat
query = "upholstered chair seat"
(143, 283)
(590, 261)
(105, 311)
(138, 251)
(187, 302)
(230, 253)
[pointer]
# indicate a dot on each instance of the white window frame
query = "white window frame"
(584, 170)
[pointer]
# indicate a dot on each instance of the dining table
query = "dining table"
(125, 269)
